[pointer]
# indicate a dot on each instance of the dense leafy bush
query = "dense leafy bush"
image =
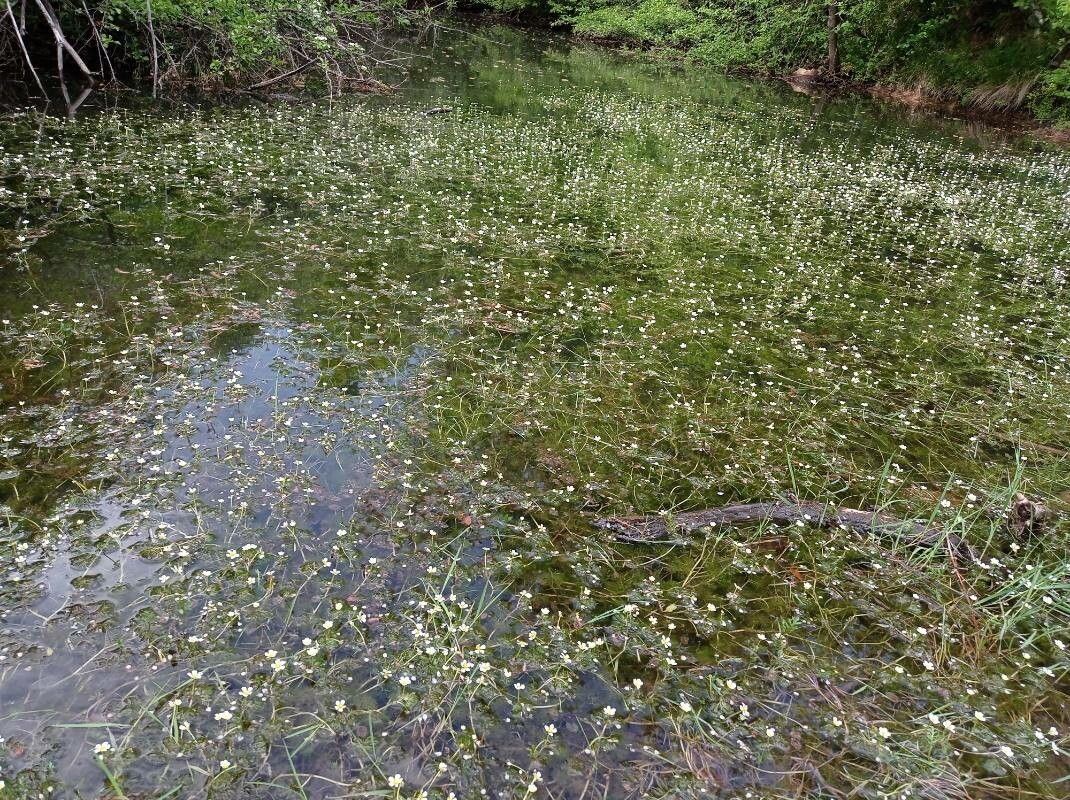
(198, 42)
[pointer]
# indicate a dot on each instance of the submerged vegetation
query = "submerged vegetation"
(308, 412)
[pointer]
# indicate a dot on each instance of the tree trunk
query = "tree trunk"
(834, 43)
(62, 80)
(155, 55)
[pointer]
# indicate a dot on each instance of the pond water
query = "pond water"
(307, 412)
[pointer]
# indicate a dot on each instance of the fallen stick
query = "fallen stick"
(655, 529)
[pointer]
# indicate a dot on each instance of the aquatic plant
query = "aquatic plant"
(308, 412)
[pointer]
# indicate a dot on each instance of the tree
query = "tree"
(833, 38)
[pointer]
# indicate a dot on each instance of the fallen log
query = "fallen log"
(664, 529)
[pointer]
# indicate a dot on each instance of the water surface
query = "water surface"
(307, 411)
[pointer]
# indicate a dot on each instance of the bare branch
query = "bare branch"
(22, 45)
(61, 40)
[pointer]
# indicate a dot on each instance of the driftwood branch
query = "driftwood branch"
(655, 529)
(1024, 517)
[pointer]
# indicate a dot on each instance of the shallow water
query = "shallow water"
(308, 411)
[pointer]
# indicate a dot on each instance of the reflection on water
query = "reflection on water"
(307, 411)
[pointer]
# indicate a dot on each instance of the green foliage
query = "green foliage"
(1053, 97)
(242, 36)
(650, 21)
(996, 54)
(758, 34)
(516, 6)
(214, 42)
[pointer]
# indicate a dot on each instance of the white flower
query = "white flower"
(224, 764)
(1006, 751)
(550, 729)
(883, 732)
(102, 748)
(339, 706)
(395, 781)
(609, 711)
(685, 706)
